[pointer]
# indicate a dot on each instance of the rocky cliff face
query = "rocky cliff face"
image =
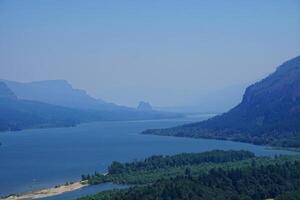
(268, 114)
(274, 101)
(281, 86)
(144, 106)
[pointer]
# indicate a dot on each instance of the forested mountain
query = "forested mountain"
(268, 114)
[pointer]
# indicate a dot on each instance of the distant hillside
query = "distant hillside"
(57, 92)
(268, 114)
(56, 103)
(61, 93)
(19, 114)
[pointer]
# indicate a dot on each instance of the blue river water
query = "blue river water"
(41, 158)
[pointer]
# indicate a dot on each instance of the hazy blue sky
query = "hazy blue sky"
(167, 52)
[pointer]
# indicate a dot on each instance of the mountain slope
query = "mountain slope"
(56, 92)
(33, 112)
(268, 114)
(17, 114)
(61, 93)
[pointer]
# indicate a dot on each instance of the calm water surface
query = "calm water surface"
(35, 159)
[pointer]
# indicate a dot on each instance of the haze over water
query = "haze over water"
(170, 53)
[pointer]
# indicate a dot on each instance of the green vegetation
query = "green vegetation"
(253, 182)
(154, 167)
(232, 175)
(269, 113)
(150, 176)
(293, 195)
(158, 162)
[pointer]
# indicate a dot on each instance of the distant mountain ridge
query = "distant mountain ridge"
(268, 114)
(56, 103)
(57, 92)
(18, 114)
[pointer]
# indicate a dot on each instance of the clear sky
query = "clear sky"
(168, 52)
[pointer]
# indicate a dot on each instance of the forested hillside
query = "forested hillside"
(268, 114)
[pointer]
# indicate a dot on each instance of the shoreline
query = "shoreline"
(292, 149)
(48, 192)
(266, 146)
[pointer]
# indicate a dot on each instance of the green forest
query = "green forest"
(248, 183)
(210, 175)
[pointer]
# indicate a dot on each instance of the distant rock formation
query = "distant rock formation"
(56, 103)
(5, 92)
(144, 106)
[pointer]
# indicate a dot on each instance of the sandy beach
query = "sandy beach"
(48, 192)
